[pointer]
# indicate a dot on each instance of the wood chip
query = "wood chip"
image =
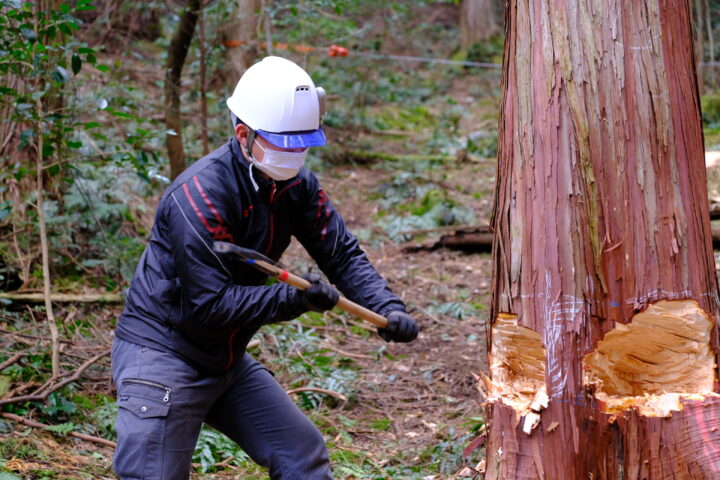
(532, 420)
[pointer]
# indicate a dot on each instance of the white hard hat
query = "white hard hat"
(278, 100)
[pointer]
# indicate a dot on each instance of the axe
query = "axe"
(270, 267)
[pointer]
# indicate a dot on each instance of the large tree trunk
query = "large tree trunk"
(240, 35)
(477, 21)
(173, 72)
(603, 345)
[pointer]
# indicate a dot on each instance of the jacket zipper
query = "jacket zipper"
(148, 383)
(272, 219)
(273, 197)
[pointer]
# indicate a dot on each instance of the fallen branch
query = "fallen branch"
(34, 424)
(33, 337)
(364, 157)
(64, 297)
(350, 354)
(444, 229)
(41, 394)
(10, 361)
(478, 240)
(331, 393)
(468, 239)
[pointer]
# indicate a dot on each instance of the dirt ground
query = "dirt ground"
(424, 392)
(433, 389)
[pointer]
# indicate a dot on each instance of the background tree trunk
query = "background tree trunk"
(477, 21)
(240, 36)
(604, 303)
(173, 72)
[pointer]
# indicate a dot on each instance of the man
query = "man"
(179, 354)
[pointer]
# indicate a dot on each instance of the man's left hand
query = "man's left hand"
(401, 328)
(319, 296)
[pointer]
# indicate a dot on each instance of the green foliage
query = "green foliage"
(418, 203)
(58, 407)
(97, 415)
(459, 310)
(483, 144)
(710, 107)
(39, 47)
(98, 204)
(446, 456)
(489, 51)
(8, 475)
(213, 447)
(62, 428)
(299, 353)
(475, 424)
(82, 162)
(21, 448)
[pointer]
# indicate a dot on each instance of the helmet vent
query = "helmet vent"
(302, 88)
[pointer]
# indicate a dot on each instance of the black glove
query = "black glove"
(401, 328)
(319, 296)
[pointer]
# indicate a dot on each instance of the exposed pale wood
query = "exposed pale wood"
(517, 364)
(665, 348)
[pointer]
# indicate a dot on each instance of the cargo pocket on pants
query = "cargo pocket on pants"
(143, 407)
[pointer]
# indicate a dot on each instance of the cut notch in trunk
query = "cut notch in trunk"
(651, 363)
(517, 366)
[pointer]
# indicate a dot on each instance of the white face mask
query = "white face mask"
(280, 164)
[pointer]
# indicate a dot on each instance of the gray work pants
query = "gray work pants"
(163, 402)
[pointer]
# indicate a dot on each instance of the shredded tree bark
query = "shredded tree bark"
(604, 277)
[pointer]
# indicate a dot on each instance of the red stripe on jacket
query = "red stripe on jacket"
(218, 232)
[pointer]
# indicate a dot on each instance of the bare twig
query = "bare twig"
(32, 337)
(19, 389)
(10, 361)
(203, 84)
(64, 297)
(54, 334)
(47, 390)
(350, 354)
(331, 393)
(34, 424)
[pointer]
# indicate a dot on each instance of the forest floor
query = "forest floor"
(409, 409)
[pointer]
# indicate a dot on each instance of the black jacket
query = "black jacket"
(188, 300)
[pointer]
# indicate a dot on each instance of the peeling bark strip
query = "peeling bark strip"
(601, 220)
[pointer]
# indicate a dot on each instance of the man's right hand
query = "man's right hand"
(319, 296)
(401, 328)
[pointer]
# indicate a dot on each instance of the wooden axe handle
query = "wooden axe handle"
(343, 303)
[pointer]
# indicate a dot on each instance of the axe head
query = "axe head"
(245, 254)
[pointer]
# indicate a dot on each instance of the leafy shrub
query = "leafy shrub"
(213, 447)
(417, 203)
(710, 107)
